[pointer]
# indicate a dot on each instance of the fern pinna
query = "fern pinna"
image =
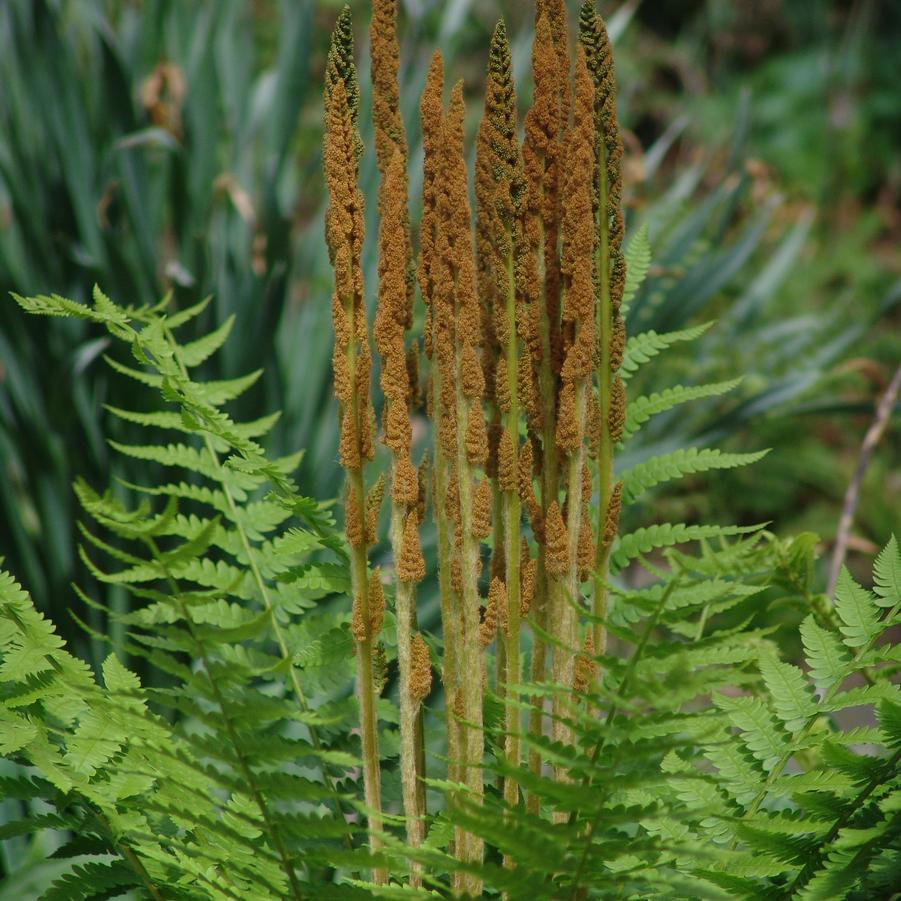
(616, 722)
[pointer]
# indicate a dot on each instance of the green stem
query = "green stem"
(566, 588)
(471, 670)
(511, 505)
(549, 490)
(604, 453)
(409, 706)
(366, 688)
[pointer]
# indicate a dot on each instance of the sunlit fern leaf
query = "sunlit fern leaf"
(643, 540)
(642, 347)
(675, 465)
(857, 609)
(887, 575)
(641, 409)
(638, 262)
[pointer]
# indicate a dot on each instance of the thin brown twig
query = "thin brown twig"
(852, 495)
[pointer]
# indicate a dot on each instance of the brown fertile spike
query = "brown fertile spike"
(616, 420)
(568, 432)
(376, 603)
(555, 541)
(353, 523)
(385, 56)
(421, 669)
(373, 504)
(617, 345)
(391, 318)
(452, 497)
(585, 553)
(348, 443)
(502, 396)
(398, 431)
(586, 484)
(431, 113)
(586, 668)
(488, 626)
(497, 598)
(528, 392)
(613, 508)
(471, 370)
(481, 510)
(527, 581)
(405, 482)
(411, 565)
(476, 437)
(358, 626)
(507, 472)
(525, 471)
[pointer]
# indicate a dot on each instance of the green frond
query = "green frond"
(641, 409)
(643, 347)
(638, 262)
(857, 610)
(641, 541)
(679, 463)
(887, 575)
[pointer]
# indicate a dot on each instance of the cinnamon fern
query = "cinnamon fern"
(615, 716)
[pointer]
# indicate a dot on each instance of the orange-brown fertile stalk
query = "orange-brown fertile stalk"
(572, 414)
(457, 338)
(539, 270)
(431, 111)
(352, 365)
(610, 275)
(502, 190)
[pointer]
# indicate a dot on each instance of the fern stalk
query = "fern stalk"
(542, 148)
(432, 124)
(566, 545)
(351, 364)
(395, 314)
(610, 275)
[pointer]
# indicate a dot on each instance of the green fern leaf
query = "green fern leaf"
(887, 575)
(857, 611)
(762, 735)
(638, 262)
(196, 352)
(642, 347)
(684, 461)
(643, 408)
(174, 320)
(92, 880)
(633, 544)
(791, 694)
(827, 658)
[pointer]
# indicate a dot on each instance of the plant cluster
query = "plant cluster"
(614, 723)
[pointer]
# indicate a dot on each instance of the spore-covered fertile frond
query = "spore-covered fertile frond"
(686, 756)
(507, 322)
(187, 781)
(352, 364)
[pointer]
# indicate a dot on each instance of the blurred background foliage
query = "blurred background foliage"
(172, 146)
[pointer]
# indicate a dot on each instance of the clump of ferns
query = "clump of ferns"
(625, 738)
(526, 366)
